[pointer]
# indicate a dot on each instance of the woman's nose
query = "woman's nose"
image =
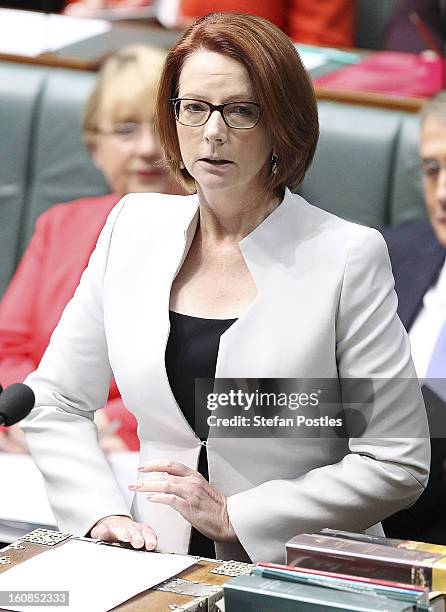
(215, 129)
(146, 142)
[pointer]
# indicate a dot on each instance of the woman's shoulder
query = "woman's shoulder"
(155, 202)
(93, 206)
(66, 218)
(158, 208)
(328, 226)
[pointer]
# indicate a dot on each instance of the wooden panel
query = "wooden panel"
(366, 98)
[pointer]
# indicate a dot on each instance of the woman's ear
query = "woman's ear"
(89, 139)
(95, 154)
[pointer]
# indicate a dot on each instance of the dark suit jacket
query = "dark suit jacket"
(417, 258)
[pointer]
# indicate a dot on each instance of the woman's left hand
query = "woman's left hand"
(12, 440)
(186, 491)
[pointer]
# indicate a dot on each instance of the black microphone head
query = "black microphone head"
(16, 402)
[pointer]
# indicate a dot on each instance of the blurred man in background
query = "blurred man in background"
(417, 252)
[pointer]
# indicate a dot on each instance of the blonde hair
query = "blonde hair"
(125, 90)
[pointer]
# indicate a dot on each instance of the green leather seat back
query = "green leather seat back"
(360, 170)
(351, 174)
(62, 169)
(19, 95)
(406, 198)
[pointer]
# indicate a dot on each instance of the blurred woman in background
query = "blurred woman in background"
(118, 130)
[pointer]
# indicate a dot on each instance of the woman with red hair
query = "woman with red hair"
(238, 282)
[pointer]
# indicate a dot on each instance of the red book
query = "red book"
(390, 72)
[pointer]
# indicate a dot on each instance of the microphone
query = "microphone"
(16, 402)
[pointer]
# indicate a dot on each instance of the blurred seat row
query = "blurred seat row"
(362, 170)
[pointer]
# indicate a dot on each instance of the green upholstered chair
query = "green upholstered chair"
(62, 169)
(19, 95)
(360, 171)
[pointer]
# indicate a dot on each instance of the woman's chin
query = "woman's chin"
(151, 185)
(211, 183)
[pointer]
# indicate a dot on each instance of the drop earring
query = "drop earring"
(274, 163)
(182, 166)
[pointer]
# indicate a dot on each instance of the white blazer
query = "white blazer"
(325, 307)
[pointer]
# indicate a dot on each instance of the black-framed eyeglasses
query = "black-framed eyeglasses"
(238, 115)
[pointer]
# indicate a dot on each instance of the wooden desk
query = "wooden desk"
(159, 601)
(152, 599)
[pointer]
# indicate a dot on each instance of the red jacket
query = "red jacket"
(50, 270)
(315, 22)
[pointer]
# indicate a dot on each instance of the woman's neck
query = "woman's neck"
(229, 218)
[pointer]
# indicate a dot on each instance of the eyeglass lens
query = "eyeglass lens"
(236, 114)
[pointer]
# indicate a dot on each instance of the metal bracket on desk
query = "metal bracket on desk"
(180, 586)
(14, 546)
(192, 606)
(45, 536)
(206, 594)
(233, 569)
(205, 604)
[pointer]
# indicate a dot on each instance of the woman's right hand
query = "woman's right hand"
(124, 529)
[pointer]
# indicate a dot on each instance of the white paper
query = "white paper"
(312, 60)
(30, 34)
(97, 577)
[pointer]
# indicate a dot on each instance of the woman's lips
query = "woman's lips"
(215, 163)
(150, 173)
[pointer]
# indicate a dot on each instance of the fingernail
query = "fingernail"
(135, 485)
(140, 468)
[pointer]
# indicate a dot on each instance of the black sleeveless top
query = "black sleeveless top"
(191, 353)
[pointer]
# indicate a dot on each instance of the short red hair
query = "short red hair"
(280, 85)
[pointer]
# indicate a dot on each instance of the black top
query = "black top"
(191, 353)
